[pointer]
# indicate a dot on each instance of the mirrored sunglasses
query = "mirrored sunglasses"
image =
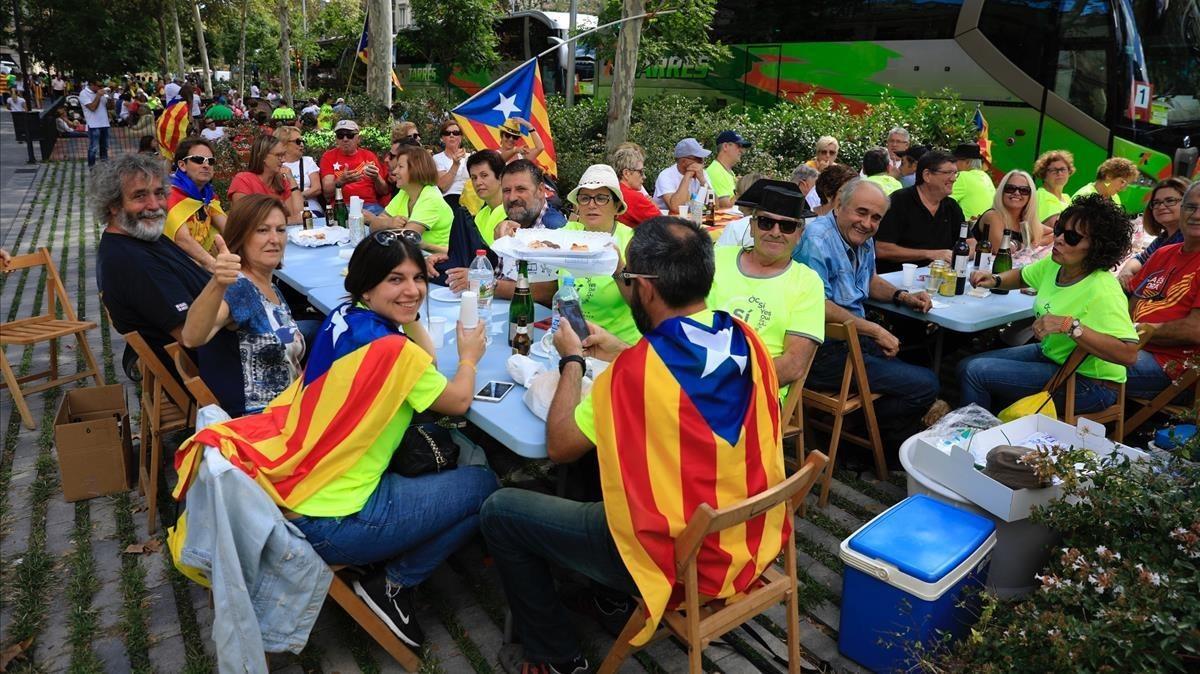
(197, 159)
(766, 223)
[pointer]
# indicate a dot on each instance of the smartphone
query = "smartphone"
(1029, 291)
(494, 391)
(574, 314)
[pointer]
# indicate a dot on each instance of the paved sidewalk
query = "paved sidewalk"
(89, 607)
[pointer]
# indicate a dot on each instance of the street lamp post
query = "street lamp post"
(571, 55)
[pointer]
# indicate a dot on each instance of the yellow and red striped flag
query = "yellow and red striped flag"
(517, 94)
(172, 127)
(690, 415)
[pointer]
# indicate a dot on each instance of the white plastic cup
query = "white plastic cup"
(356, 206)
(682, 212)
(908, 274)
(468, 312)
(437, 330)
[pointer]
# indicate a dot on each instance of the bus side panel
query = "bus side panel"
(1013, 132)
(1088, 155)
(1153, 165)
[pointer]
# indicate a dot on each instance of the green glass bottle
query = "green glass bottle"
(521, 307)
(1003, 261)
(341, 214)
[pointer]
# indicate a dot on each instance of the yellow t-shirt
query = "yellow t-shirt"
(430, 210)
(723, 182)
(888, 183)
(599, 296)
(974, 192)
(1090, 188)
(1050, 205)
(486, 220)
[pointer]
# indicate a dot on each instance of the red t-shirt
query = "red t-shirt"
(335, 162)
(638, 207)
(1171, 278)
(249, 183)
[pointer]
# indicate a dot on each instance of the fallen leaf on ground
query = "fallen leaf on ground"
(152, 545)
(13, 652)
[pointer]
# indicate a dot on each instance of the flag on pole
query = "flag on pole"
(517, 94)
(364, 53)
(985, 145)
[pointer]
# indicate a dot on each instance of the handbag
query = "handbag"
(427, 447)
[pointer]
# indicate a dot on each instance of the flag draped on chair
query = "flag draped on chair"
(690, 415)
(517, 94)
(360, 370)
(172, 127)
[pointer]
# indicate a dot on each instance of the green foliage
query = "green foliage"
(683, 34)
(1120, 595)
(90, 39)
(454, 33)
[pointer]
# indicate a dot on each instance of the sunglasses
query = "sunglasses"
(298, 142)
(598, 199)
(1070, 236)
(628, 277)
(386, 237)
(197, 159)
(1017, 189)
(414, 136)
(1169, 202)
(510, 136)
(766, 223)
(345, 135)
(451, 133)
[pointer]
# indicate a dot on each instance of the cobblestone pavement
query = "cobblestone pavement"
(86, 606)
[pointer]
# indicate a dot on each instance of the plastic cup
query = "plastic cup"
(683, 211)
(468, 311)
(437, 330)
(908, 274)
(356, 206)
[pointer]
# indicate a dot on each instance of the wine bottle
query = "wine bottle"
(983, 253)
(520, 340)
(1003, 261)
(710, 210)
(521, 307)
(960, 254)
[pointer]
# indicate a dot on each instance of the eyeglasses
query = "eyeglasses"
(510, 136)
(386, 237)
(947, 172)
(197, 159)
(414, 136)
(345, 135)
(639, 171)
(1017, 189)
(298, 141)
(1169, 202)
(598, 199)
(448, 132)
(1189, 209)
(1058, 169)
(1070, 236)
(628, 276)
(766, 223)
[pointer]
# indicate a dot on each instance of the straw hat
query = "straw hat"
(595, 177)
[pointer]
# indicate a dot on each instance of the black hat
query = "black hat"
(776, 196)
(967, 151)
(914, 153)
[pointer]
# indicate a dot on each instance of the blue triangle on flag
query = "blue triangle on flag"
(511, 96)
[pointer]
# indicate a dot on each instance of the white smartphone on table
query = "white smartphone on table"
(494, 391)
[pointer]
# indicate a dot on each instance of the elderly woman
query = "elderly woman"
(630, 165)
(242, 297)
(1112, 177)
(406, 133)
(1013, 209)
(1160, 220)
(1054, 169)
(827, 152)
(451, 162)
(598, 202)
(418, 205)
(1078, 304)
(306, 174)
(266, 174)
(829, 183)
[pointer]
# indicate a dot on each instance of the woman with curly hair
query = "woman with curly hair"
(1112, 177)
(1078, 303)
(1160, 220)
(1053, 169)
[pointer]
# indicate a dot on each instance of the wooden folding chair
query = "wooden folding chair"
(196, 388)
(1162, 402)
(700, 620)
(845, 401)
(793, 415)
(166, 408)
(1115, 413)
(45, 327)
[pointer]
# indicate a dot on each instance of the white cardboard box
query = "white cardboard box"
(955, 468)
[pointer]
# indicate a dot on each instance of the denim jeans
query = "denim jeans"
(1007, 375)
(1147, 379)
(373, 209)
(412, 523)
(528, 533)
(97, 143)
(908, 390)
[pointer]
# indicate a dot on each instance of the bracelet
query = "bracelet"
(896, 296)
(562, 364)
(1066, 324)
(996, 280)
(469, 363)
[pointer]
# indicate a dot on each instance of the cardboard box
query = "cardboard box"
(955, 466)
(92, 439)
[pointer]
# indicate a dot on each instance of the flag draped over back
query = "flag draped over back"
(690, 415)
(360, 371)
(172, 127)
(517, 94)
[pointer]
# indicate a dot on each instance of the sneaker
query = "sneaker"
(512, 662)
(393, 604)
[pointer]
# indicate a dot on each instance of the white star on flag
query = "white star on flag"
(507, 106)
(716, 346)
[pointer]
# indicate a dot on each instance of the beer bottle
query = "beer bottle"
(1003, 261)
(961, 253)
(520, 310)
(983, 253)
(520, 340)
(341, 214)
(307, 218)
(710, 210)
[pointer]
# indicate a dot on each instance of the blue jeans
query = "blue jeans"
(527, 533)
(412, 523)
(1011, 374)
(1147, 379)
(97, 143)
(373, 209)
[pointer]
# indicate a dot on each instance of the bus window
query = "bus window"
(742, 22)
(1023, 31)
(1082, 73)
(1169, 38)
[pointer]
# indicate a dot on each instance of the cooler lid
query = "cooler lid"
(923, 537)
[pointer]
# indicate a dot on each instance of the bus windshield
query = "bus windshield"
(1162, 49)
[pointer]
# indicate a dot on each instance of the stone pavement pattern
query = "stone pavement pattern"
(88, 607)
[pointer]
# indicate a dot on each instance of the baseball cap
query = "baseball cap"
(346, 124)
(690, 147)
(731, 136)
(967, 151)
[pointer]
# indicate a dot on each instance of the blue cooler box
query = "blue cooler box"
(912, 574)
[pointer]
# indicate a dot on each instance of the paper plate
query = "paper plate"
(535, 243)
(444, 294)
(320, 236)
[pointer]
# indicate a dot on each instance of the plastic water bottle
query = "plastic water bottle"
(482, 279)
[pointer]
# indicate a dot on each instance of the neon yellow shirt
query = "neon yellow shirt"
(722, 182)
(599, 296)
(1096, 300)
(348, 493)
(888, 183)
(974, 192)
(430, 210)
(1050, 205)
(1087, 189)
(486, 220)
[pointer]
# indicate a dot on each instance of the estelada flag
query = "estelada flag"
(172, 127)
(361, 369)
(517, 94)
(690, 415)
(364, 52)
(985, 144)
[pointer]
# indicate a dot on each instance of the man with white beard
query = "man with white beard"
(146, 282)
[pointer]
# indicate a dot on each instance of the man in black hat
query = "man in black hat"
(783, 300)
(923, 221)
(908, 164)
(973, 190)
(730, 145)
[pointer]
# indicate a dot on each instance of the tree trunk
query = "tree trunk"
(208, 88)
(162, 44)
(302, 74)
(379, 39)
(620, 100)
(242, 53)
(179, 64)
(285, 53)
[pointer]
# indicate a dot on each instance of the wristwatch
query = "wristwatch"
(573, 358)
(996, 280)
(896, 296)
(1076, 330)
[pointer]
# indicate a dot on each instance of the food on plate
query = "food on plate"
(579, 247)
(318, 236)
(536, 245)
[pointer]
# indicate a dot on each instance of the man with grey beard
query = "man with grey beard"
(146, 282)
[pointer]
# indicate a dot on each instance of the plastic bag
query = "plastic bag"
(959, 425)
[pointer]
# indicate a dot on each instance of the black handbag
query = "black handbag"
(427, 447)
